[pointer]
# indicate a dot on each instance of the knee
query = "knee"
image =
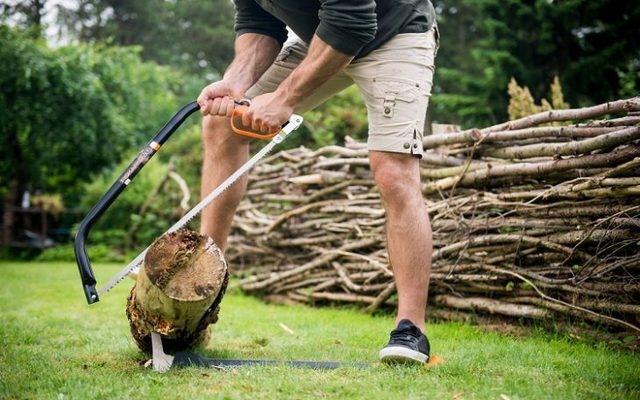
(398, 181)
(213, 128)
(393, 185)
(217, 135)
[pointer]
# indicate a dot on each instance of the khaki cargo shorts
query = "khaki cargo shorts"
(394, 80)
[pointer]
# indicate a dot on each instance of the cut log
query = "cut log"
(178, 291)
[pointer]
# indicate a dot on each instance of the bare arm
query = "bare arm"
(271, 110)
(254, 53)
(321, 63)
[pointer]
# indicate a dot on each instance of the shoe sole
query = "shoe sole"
(402, 355)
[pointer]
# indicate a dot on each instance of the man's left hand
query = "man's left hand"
(267, 113)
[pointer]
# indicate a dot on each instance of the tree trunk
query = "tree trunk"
(8, 215)
(178, 291)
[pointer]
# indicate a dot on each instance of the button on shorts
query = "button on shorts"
(394, 80)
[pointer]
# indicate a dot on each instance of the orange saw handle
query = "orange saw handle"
(240, 129)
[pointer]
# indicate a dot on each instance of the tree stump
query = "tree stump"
(178, 291)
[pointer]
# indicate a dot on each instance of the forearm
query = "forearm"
(321, 63)
(254, 53)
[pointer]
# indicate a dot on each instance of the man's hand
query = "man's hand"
(268, 112)
(254, 53)
(217, 99)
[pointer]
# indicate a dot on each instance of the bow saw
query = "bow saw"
(162, 361)
(84, 265)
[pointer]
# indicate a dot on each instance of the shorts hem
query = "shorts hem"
(408, 146)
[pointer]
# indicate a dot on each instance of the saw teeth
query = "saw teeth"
(250, 163)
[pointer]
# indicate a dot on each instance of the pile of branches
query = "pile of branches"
(535, 218)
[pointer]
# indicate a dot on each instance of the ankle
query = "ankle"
(418, 322)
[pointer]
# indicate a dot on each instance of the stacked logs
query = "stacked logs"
(535, 218)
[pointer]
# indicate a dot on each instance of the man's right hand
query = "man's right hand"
(218, 99)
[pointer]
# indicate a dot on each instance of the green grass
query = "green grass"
(55, 346)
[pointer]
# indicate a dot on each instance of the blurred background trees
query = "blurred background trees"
(593, 46)
(69, 112)
(194, 35)
(83, 83)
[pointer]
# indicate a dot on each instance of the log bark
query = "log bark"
(608, 140)
(537, 169)
(178, 291)
(491, 306)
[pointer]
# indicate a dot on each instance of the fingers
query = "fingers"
(267, 127)
(256, 122)
(215, 106)
(214, 99)
(247, 117)
(252, 119)
(204, 107)
(220, 106)
(230, 105)
(204, 100)
(264, 127)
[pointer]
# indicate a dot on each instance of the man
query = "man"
(387, 48)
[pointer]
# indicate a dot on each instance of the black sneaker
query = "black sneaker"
(406, 345)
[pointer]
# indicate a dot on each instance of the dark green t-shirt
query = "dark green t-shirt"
(354, 27)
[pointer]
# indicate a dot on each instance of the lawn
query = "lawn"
(54, 346)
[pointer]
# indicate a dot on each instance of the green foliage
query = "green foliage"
(143, 212)
(184, 150)
(342, 115)
(630, 79)
(593, 46)
(522, 104)
(131, 199)
(68, 112)
(97, 253)
(557, 96)
(51, 203)
(124, 225)
(195, 35)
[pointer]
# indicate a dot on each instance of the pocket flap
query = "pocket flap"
(395, 89)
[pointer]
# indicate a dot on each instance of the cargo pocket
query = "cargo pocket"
(396, 96)
(400, 109)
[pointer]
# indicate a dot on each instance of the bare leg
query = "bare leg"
(409, 239)
(224, 152)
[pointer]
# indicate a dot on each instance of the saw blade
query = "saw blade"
(294, 123)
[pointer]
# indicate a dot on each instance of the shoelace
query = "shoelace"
(405, 336)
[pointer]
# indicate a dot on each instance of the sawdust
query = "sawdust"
(434, 361)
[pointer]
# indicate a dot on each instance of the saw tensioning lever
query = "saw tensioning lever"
(84, 265)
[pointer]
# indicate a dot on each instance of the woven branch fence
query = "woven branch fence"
(536, 218)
